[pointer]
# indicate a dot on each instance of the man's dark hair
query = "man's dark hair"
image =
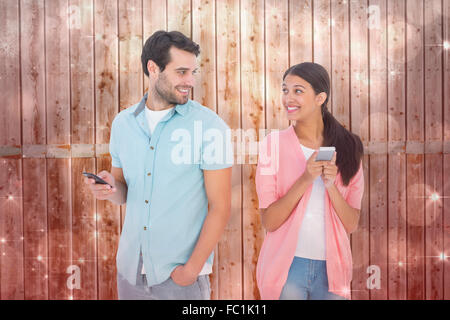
(157, 48)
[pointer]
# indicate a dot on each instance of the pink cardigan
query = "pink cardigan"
(281, 162)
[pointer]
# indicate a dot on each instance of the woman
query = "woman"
(308, 207)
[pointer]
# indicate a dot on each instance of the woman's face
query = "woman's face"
(299, 98)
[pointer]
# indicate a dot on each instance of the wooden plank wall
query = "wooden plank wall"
(67, 67)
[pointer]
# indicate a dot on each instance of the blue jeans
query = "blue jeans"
(307, 280)
(168, 290)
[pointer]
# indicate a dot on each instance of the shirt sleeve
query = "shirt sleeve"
(356, 189)
(114, 146)
(217, 148)
(265, 178)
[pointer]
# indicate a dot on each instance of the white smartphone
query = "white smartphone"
(325, 153)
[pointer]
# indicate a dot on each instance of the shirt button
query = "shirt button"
(146, 201)
(151, 148)
(149, 174)
(145, 228)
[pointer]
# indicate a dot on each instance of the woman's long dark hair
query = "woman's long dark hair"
(348, 145)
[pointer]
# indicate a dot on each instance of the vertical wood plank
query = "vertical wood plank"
(84, 241)
(11, 231)
(179, 16)
(340, 62)
(203, 33)
(446, 227)
(59, 214)
(396, 162)
(228, 105)
(300, 31)
(433, 162)
(415, 162)
(252, 75)
(277, 61)
(378, 162)
(33, 132)
(107, 106)
(359, 108)
(130, 50)
(446, 121)
(205, 89)
(322, 36)
(155, 18)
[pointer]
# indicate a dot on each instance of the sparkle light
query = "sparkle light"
(81, 260)
(331, 22)
(10, 197)
(434, 197)
(70, 297)
(442, 256)
(446, 45)
(3, 240)
(400, 264)
(39, 258)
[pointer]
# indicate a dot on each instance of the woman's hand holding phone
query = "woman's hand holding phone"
(313, 168)
(326, 169)
(102, 191)
(329, 172)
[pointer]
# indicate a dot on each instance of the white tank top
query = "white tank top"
(311, 238)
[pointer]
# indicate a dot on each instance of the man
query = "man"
(171, 166)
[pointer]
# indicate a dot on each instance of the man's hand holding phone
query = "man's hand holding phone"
(99, 189)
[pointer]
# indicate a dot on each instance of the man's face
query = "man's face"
(174, 84)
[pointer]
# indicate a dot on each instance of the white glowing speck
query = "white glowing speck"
(434, 197)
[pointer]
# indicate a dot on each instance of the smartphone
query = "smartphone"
(96, 178)
(325, 153)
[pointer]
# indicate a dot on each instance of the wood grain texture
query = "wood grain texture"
(378, 163)
(228, 107)
(253, 119)
(396, 162)
(34, 132)
(415, 163)
(359, 106)
(68, 67)
(434, 265)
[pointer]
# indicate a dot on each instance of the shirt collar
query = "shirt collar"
(180, 108)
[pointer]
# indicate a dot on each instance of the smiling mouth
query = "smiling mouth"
(291, 109)
(183, 91)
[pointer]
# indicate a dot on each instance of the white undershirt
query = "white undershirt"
(311, 237)
(153, 117)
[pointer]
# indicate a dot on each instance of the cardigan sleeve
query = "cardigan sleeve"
(266, 174)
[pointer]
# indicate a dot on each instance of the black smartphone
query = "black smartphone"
(96, 178)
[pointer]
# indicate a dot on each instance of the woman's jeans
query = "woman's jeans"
(307, 280)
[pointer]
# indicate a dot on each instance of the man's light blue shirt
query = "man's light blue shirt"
(166, 200)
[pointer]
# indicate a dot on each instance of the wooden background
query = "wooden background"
(67, 67)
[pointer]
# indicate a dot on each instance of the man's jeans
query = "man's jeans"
(307, 280)
(168, 290)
